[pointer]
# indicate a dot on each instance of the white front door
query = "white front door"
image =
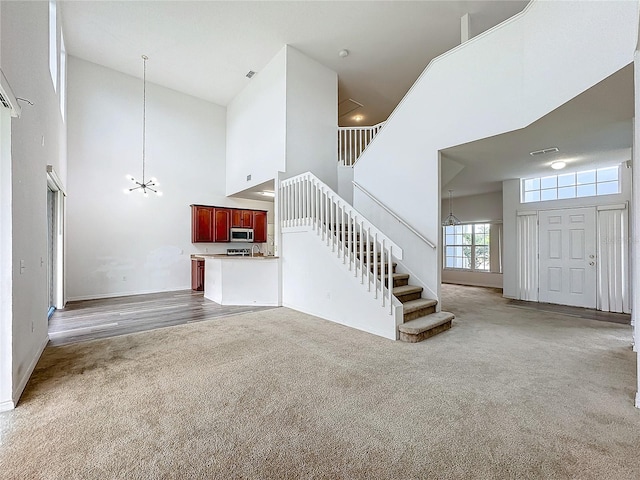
(567, 240)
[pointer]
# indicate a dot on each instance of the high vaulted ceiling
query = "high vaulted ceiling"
(205, 48)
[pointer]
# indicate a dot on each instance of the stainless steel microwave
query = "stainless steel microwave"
(242, 235)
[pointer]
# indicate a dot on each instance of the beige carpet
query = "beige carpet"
(506, 393)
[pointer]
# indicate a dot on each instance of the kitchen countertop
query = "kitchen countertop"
(204, 256)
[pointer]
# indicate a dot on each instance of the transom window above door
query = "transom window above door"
(590, 183)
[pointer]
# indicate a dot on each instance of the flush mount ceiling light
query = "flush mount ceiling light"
(343, 53)
(151, 184)
(358, 118)
(267, 193)
(544, 151)
(559, 165)
(451, 218)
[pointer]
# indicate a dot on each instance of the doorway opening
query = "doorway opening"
(55, 240)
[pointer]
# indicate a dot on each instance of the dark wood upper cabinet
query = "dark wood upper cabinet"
(241, 218)
(259, 226)
(201, 224)
(222, 224)
(212, 224)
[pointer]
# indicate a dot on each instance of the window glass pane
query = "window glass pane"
(586, 190)
(449, 239)
(458, 251)
(608, 188)
(566, 180)
(458, 229)
(567, 192)
(586, 177)
(450, 251)
(466, 262)
(467, 228)
(458, 262)
(549, 182)
(551, 194)
(450, 262)
(607, 174)
(532, 196)
(532, 184)
(448, 230)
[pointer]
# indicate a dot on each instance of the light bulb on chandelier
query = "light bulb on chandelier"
(152, 184)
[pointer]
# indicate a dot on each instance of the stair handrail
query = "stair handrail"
(353, 141)
(306, 201)
(393, 214)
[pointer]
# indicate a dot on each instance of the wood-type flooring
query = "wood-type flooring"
(92, 319)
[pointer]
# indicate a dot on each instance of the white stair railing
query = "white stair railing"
(353, 140)
(305, 201)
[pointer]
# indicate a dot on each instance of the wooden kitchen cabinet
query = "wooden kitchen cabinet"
(197, 274)
(259, 226)
(221, 224)
(241, 218)
(201, 224)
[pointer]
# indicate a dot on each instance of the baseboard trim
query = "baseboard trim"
(27, 374)
(8, 405)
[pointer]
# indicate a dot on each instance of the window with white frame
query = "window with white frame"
(63, 78)
(590, 183)
(53, 44)
(467, 247)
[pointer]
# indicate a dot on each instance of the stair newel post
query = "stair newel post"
(375, 263)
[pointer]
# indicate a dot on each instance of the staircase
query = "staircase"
(421, 320)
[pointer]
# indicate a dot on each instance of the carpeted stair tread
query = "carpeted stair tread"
(414, 305)
(406, 289)
(428, 322)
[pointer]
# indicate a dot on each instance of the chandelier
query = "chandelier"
(150, 185)
(451, 218)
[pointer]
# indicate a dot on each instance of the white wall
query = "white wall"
(312, 118)
(37, 139)
(345, 183)
(285, 120)
(315, 281)
(486, 207)
(512, 204)
(496, 82)
(126, 244)
(256, 123)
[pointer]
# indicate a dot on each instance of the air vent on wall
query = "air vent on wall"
(544, 151)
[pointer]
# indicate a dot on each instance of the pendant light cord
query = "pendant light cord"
(144, 113)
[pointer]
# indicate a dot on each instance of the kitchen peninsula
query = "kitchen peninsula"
(241, 280)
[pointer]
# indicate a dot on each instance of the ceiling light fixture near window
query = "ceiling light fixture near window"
(559, 165)
(451, 218)
(250, 74)
(544, 151)
(358, 118)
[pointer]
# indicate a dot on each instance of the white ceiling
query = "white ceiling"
(205, 48)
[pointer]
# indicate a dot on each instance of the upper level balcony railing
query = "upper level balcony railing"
(352, 141)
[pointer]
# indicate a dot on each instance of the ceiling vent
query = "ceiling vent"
(250, 74)
(7, 98)
(544, 151)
